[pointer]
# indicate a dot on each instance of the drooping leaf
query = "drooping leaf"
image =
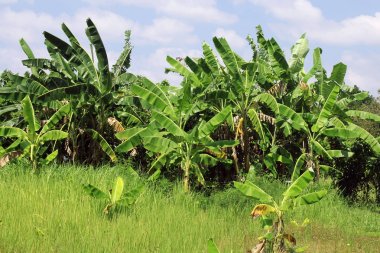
(251, 190)
(320, 150)
(168, 124)
(159, 144)
(13, 132)
(130, 197)
(297, 167)
(153, 96)
(95, 192)
(55, 118)
(130, 137)
(292, 118)
(104, 145)
(51, 157)
(310, 198)
(53, 135)
(366, 137)
(183, 70)
(268, 100)
(262, 209)
(211, 125)
(363, 115)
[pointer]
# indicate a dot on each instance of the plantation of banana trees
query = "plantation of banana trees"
(230, 116)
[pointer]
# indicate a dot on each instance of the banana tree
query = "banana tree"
(172, 137)
(272, 212)
(32, 140)
(231, 83)
(72, 74)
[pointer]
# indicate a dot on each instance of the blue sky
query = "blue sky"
(348, 31)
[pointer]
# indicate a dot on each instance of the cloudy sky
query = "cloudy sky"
(348, 31)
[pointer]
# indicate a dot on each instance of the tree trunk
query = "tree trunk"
(186, 178)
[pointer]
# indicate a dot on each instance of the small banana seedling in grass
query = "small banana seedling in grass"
(115, 197)
(32, 140)
(272, 212)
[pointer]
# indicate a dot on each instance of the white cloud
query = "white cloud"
(111, 26)
(194, 10)
(7, 2)
(301, 16)
(167, 30)
(235, 41)
(154, 65)
(30, 26)
(363, 71)
(292, 10)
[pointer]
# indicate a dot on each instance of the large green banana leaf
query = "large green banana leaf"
(211, 125)
(299, 52)
(211, 60)
(256, 123)
(182, 70)
(13, 132)
(299, 184)
(56, 117)
(251, 190)
(53, 135)
(130, 137)
(101, 55)
(159, 144)
(320, 150)
(326, 111)
(310, 198)
(364, 115)
(292, 118)
(231, 62)
(268, 100)
(153, 96)
(168, 124)
(28, 112)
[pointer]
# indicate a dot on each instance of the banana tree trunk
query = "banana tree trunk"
(186, 178)
(245, 138)
(279, 243)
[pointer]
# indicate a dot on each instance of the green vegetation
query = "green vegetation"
(261, 122)
(51, 212)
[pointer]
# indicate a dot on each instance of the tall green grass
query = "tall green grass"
(51, 213)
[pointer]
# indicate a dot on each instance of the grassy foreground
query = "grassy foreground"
(51, 213)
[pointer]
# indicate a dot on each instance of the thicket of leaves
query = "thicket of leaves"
(230, 116)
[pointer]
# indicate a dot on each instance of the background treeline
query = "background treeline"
(230, 116)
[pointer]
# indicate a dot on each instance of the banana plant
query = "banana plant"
(272, 212)
(32, 140)
(232, 82)
(171, 137)
(116, 197)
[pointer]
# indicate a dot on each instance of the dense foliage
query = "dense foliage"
(230, 116)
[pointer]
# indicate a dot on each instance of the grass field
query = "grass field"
(50, 213)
